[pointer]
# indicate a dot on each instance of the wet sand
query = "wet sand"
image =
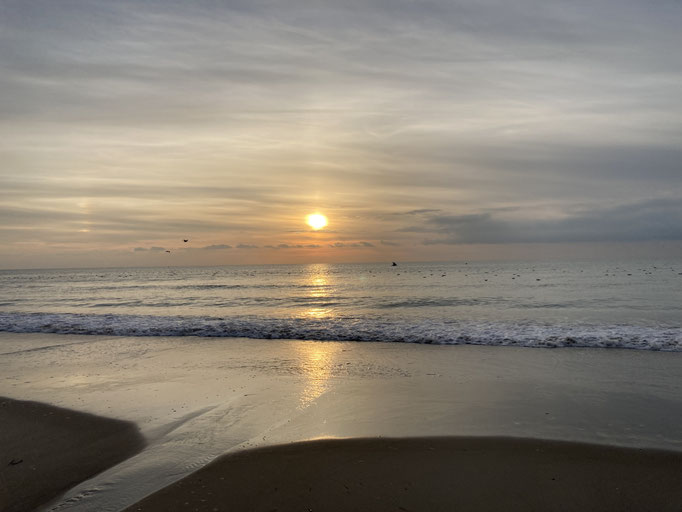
(430, 474)
(197, 399)
(46, 450)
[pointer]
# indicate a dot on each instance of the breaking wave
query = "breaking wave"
(351, 329)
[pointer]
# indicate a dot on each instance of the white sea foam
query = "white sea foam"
(634, 305)
(442, 333)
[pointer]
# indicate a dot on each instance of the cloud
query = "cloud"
(217, 247)
(293, 246)
(452, 122)
(659, 219)
(420, 211)
(352, 244)
(391, 244)
(246, 246)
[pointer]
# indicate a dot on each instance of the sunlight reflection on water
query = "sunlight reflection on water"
(320, 289)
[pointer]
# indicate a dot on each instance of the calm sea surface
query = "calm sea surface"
(595, 304)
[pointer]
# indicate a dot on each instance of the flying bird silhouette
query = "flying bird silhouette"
(185, 240)
(167, 251)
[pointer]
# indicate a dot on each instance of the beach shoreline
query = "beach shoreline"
(56, 448)
(197, 399)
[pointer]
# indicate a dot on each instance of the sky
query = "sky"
(423, 130)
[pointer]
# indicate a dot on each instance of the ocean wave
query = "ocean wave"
(430, 302)
(351, 329)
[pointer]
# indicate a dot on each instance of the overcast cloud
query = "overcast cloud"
(415, 126)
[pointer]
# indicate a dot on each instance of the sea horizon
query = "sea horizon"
(664, 257)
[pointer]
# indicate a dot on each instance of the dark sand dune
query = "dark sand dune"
(430, 474)
(45, 450)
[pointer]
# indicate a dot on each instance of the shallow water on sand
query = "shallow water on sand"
(197, 398)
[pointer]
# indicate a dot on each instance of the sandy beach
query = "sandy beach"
(430, 474)
(195, 400)
(47, 450)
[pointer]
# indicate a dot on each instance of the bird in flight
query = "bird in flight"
(185, 240)
(167, 251)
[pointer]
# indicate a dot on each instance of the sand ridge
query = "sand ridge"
(45, 450)
(430, 474)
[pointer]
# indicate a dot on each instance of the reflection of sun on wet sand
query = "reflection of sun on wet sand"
(316, 362)
(46, 450)
(197, 399)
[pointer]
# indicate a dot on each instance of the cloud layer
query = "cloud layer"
(412, 126)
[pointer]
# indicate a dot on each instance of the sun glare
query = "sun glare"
(316, 220)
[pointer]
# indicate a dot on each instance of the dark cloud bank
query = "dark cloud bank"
(659, 219)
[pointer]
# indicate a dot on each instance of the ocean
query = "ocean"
(171, 353)
(633, 304)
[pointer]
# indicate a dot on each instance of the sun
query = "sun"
(316, 221)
